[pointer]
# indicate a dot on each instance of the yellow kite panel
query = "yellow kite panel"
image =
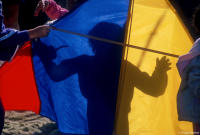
(148, 88)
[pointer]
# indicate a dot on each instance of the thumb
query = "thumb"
(38, 9)
(157, 61)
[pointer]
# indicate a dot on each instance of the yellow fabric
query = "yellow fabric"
(147, 105)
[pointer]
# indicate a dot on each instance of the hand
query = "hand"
(38, 32)
(163, 64)
(41, 6)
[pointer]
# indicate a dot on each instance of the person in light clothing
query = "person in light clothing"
(188, 98)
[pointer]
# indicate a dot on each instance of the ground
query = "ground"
(28, 123)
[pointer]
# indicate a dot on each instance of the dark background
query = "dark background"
(27, 20)
(186, 8)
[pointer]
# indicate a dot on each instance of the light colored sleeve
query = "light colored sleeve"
(185, 59)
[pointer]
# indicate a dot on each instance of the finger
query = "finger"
(38, 9)
(43, 5)
(47, 26)
(163, 58)
(160, 60)
(168, 68)
(43, 2)
(48, 30)
(169, 64)
(46, 5)
(167, 60)
(157, 60)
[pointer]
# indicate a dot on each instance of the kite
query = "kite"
(89, 86)
(147, 99)
(74, 80)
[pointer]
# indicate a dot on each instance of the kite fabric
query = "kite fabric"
(18, 90)
(147, 94)
(76, 77)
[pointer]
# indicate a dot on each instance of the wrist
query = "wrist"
(31, 34)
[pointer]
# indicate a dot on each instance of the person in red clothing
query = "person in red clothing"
(51, 8)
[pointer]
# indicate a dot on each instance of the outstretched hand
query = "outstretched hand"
(163, 64)
(41, 6)
(40, 31)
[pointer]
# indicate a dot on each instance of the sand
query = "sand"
(28, 123)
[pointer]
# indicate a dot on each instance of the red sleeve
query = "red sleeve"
(55, 11)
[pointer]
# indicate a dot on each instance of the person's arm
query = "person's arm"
(154, 85)
(51, 8)
(11, 40)
(11, 37)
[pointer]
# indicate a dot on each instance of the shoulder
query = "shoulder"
(6, 33)
(197, 41)
(196, 46)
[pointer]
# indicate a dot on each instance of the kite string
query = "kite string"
(114, 42)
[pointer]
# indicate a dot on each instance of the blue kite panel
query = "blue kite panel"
(77, 78)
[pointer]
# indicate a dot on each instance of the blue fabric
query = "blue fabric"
(77, 78)
(188, 99)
